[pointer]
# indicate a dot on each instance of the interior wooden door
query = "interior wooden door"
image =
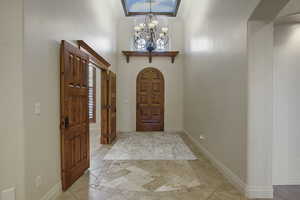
(104, 108)
(150, 100)
(112, 110)
(74, 114)
(108, 107)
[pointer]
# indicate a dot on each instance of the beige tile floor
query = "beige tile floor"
(151, 180)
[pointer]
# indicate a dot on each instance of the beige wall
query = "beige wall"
(260, 106)
(286, 157)
(287, 105)
(11, 105)
(46, 24)
(127, 74)
(215, 79)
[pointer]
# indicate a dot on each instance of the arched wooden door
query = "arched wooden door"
(150, 98)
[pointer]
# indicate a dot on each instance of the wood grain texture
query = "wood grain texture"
(74, 114)
(98, 60)
(112, 109)
(104, 108)
(171, 54)
(108, 107)
(150, 100)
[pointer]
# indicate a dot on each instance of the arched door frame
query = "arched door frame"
(152, 123)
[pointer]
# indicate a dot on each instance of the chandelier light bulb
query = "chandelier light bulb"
(161, 35)
(165, 29)
(155, 22)
(142, 25)
(151, 25)
(137, 28)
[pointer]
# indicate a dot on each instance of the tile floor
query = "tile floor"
(151, 179)
(150, 146)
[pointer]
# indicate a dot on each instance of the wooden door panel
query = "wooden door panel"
(150, 100)
(104, 108)
(74, 114)
(143, 98)
(108, 111)
(144, 86)
(156, 113)
(145, 113)
(155, 99)
(112, 101)
(156, 87)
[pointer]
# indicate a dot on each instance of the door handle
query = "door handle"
(67, 123)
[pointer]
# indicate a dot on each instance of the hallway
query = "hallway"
(151, 179)
(218, 82)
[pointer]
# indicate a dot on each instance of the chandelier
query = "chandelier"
(149, 35)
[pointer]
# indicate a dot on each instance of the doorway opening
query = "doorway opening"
(94, 100)
(102, 107)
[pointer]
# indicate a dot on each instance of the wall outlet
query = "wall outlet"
(202, 137)
(38, 181)
(9, 194)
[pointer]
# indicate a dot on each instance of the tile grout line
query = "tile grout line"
(73, 195)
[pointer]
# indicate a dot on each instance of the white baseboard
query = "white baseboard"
(259, 192)
(293, 181)
(229, 175)
(53, 193)
(170, 130)
(236, 181)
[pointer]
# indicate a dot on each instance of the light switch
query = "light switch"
(8, 194)
(37, 108)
